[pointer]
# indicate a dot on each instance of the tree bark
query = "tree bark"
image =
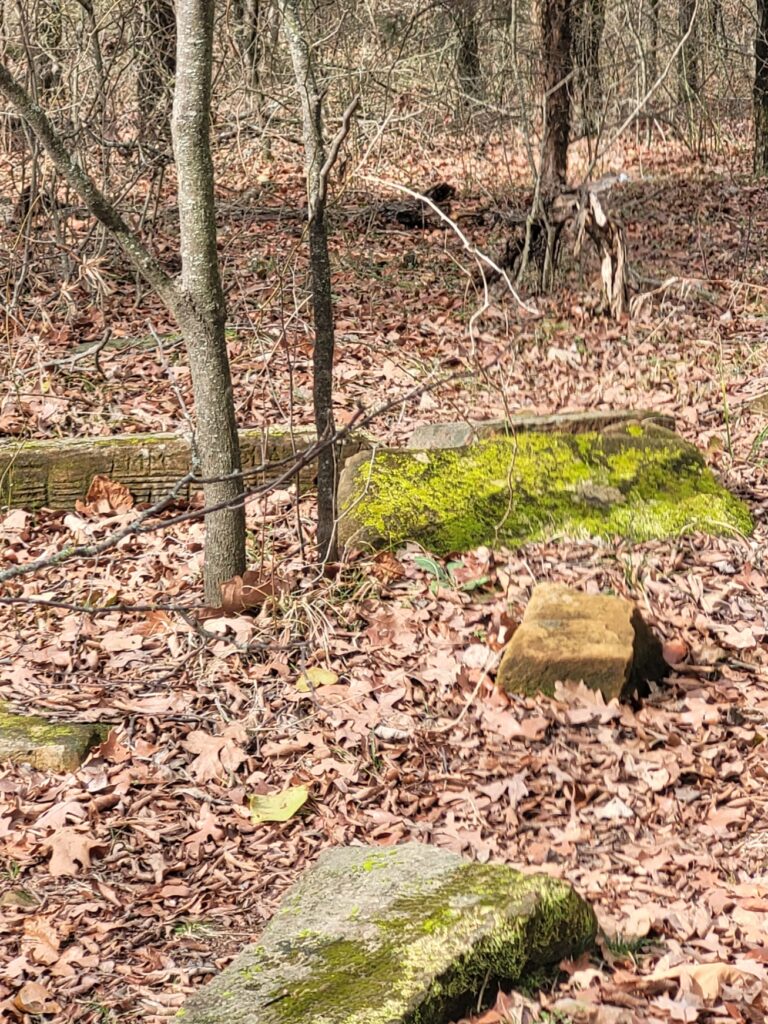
(465, 17)
(587, 36)
(761, 90)
(156, 57)
(556, 38)
(203, 312)
(688, 61)
(322, 298)
(196, 301)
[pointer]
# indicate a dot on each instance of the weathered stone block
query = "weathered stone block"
(401, 935)
(56, 473)
(47, 746)
(569, 635)
(458, 434)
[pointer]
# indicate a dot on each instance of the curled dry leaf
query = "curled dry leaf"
(106, 496)
(674, 651)
(707, 980)
(386, 568)
(35, 998)
(249, 591)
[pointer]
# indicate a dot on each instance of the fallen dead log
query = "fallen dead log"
(414, 213)
(57, 473)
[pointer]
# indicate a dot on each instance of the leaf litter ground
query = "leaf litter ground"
(126, 884)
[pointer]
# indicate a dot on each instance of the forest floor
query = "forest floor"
(128, 883)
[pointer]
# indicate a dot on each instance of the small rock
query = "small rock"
(47, 746)
(567, 635)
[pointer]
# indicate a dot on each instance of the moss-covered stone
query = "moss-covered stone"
(47, 746)
(403, 935)
(637, 481)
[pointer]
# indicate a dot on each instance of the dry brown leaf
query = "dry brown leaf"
(707, 980)
(215, 755)
(70, 851)
(249, 591)
(105, 496)
(35, 998)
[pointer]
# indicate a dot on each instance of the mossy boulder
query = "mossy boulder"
(47, 746)
(636, 481)
(401, 935)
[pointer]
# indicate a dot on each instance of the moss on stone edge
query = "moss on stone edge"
(480, 924)
(48, 746)
(511, 490)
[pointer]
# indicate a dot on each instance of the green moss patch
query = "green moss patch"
(413, 942)
(48, 746)
(636, 482)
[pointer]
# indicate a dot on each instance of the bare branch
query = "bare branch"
(95, 200)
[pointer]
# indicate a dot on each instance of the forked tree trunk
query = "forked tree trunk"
(196, 301)
(761, 89)
(556, 39)
(322, 299)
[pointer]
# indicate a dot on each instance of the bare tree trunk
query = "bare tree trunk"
(465, 18)
(761, 90)
(196, 300)
(556, 38)
(653, 45)
(156, 58)
(249, 39)
(50, 32)
(587, 36)
(202, 290)
(322, 299)
(689, 74)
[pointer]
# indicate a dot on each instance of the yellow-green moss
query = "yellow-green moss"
(428, 932)
(509, 490)
(435, 940)
(48, 746)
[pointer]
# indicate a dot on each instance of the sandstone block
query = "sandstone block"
(569, 635)
(47, 746)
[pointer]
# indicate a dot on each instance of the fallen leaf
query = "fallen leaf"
(315, 677)
(70, 851)
(35, 998)
(249, 591)
(674, 651)
(277, 806)
(105, 496)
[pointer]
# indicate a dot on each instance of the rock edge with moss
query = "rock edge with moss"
(400, 935)
(638, 481)
(47, 746)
